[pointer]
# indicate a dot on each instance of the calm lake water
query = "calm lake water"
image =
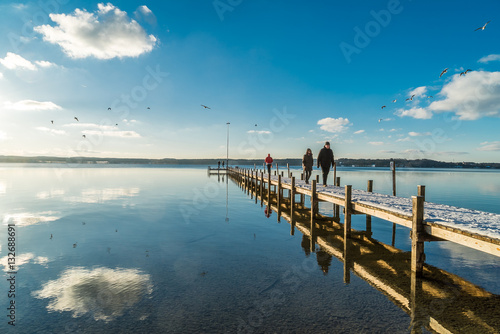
(142, 249)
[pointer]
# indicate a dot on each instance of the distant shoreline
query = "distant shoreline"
(344, 162)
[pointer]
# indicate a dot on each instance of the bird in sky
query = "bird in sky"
(383, 107)
(109, 108)
(204, 106)
(380, 120)
(74, 245)
(411, 98)
(52, 122)
(444, 71)
(394, 101)
(84, 136)
(148, 108)
(77, 119)
(468, 70)
(483, 27)
(255, 124)
(430, 97)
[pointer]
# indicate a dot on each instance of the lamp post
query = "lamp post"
(227, 146)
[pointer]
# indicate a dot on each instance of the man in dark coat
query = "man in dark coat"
(325, 160)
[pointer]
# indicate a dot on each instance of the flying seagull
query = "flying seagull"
(394, 101)
(84, 136)
(411, 98)
(444, 71)
(482, 28)
(77, 119)
(467, 71)
(383, 107)
(204, 106)
(429, 97)
(109, 108)
(148, 108)
(380, 120)
(255, 124)
(52, 122)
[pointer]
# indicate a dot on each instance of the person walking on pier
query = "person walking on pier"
(307, 164)
(325, 160)
(269, 162)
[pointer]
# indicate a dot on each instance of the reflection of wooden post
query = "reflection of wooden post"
(347, 260)
(369, 189)
(313, 213)
(347, 214)
(421, 191)
(417, 308)
(417, 231)
(292, 204)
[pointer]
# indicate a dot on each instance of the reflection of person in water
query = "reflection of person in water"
(268, 211)
(324, 260)
(306, 245)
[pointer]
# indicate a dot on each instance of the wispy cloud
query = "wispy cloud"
(490, 146)
(26, 105)
(51, 131)
(488, 58)
(121, 134)
(105, 34)
(359, 131)
(376, 143)
(259, 132)
(418, 134)
(144, 13)
(333, 124)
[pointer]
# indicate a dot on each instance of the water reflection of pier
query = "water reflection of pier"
(439, 301)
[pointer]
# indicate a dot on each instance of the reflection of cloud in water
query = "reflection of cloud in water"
(27, 218)
(105, 293)
(50, 194)
(101, 195)
(3, 188)
(22, 259)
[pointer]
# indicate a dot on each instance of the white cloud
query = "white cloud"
(43, 63)
(472, 96)
(404, 139)
(91, 125)
(415, 112)
(13, 61)
(1, 75)
(418, 92)
(490, 146)
(52, 131)
(489, 58)
(3, 136)
(418, 134)
(333, 124)
(121, 134)
(31, 105)
(376, 143)
(259, 132)
(105, 34)
(143, 12)
(359, 131)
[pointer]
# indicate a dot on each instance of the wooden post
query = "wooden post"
(393, 171)
(337, 208)
(417, 234)
(369, 188)
(277, 170)
(261, 188)
(317, 178)
(334, 172)
(421, 191)
(292, 204)
(313, 213)
(347, 214)
(278, 198)
(288, 168)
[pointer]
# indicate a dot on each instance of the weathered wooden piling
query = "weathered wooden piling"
(314, 210)
(347, 213)
(369, 188)
(292, 206)
(417, 235)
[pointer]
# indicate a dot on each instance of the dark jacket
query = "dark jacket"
(325, 158)
(308, 161)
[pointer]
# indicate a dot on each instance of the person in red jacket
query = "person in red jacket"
(269, 162)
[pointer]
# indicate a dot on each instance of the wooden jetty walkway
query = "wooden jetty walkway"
(441, 302)
(434, 223)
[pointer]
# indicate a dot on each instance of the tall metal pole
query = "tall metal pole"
(227, 146)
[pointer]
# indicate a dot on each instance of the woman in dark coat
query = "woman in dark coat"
(307, 164)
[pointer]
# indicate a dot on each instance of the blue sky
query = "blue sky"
(286, 75)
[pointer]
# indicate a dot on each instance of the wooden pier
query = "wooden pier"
(402, 211)
(439, 301)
